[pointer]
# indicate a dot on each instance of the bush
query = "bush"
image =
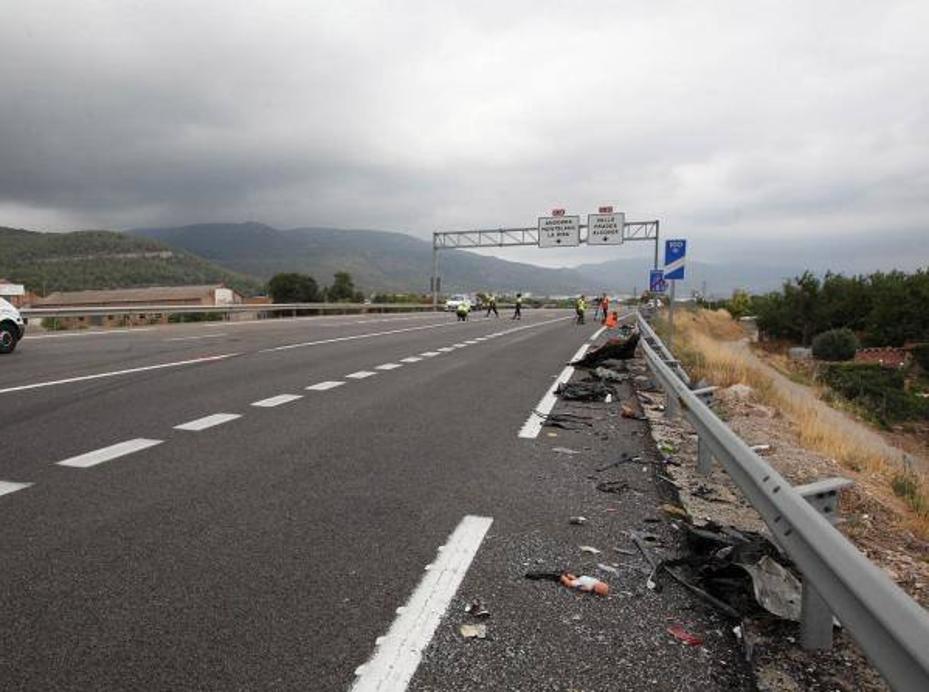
(880, 391)
(835, 344)
(921, 356)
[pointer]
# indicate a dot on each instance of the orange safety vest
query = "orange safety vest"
(611, 321)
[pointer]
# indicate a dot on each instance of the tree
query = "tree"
(342, 289)
(740, 304)
(293, 288)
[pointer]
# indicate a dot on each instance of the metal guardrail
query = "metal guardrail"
(91, 311)
(891, 628)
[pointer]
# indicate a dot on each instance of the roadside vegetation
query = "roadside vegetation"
(707, 342)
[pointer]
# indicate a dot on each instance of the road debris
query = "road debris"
(615, 487)
(590, 549)
(675, 511)
(577, 521)
(473, 631)
(607, 568)
(685, 637)
(612, 349)
(565, 450)
(610, 375)
(776, 590)
(585, 583)
(585, 390)
(476, 609)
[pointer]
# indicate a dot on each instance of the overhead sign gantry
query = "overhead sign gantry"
(606, 227)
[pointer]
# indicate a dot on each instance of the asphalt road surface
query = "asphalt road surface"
(247, 506)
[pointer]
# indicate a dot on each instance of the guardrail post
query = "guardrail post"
(704, 458)
(815, 619)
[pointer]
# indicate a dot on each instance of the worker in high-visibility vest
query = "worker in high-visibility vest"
(492, 305)
(462, 311)
(518, 308)
(579, 308)
(612, 320)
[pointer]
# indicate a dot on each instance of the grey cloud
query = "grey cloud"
(733, 122)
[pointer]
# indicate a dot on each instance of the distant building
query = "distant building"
(15, 293)
(209, 295)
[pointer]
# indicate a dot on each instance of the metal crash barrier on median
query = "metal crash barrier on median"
(226, 310)
(838, 580)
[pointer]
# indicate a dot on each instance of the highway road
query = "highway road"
(247, 505)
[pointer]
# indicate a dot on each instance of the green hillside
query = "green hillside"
(377, 260)
(83, 260)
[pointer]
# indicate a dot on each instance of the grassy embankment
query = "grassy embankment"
(700, 338)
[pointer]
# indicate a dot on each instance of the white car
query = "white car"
(451, 305)
(12, 327)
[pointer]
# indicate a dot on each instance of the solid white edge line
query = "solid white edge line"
(533, 424)
(324, 386)
(398, 653)
(7, 487)
(98, 456)
(207, 422)
(273, 401)
(598, 333)
(114, 373)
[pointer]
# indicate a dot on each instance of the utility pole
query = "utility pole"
(434, 284)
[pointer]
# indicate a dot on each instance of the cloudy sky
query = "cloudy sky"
(761, 131)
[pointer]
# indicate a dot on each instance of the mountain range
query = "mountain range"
(246, 255)
(389, 261)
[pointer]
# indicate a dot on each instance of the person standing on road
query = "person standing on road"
(598, 305)
(518, 308)
(604, 307)
(462, 311)
(492, 305)
(580, 307)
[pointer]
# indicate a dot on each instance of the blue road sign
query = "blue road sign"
(656, 282)
(674, 253)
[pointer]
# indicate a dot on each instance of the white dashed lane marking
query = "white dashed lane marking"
(388, 366)
(400, 650)
(411, 359)
(207, 422)
(7, 487)
(277, 400)
(195, 338)
(98, 456)
(446, 349)
(323, 386)
(361, 374)
(430, 354)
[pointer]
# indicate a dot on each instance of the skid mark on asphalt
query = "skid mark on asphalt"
(399, 651)
(98, 456)
(207, 422)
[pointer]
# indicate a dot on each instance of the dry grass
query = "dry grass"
(699, 342)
